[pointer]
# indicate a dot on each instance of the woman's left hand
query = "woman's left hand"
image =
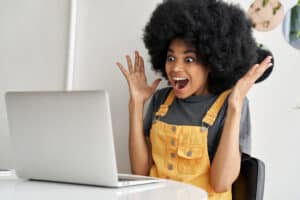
(243, 85)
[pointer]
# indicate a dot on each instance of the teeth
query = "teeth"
(179, 78)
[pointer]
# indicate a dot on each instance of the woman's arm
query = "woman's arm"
(139, 145)
(140, 92)
(226, 163)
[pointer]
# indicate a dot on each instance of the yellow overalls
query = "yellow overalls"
(180, 152)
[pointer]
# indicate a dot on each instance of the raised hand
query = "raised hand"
(136, 79)
(243, 85)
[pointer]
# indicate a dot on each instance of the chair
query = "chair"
(250, 183)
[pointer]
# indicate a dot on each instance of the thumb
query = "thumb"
(155, 84)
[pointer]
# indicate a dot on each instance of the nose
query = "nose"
(177, 66)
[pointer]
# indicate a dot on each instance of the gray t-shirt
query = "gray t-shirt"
(191, 111)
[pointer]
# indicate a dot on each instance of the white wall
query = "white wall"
(275, 122)
(33, 52)
(106, 31)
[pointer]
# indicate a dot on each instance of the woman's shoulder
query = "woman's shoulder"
(162, 93)
(160, 96)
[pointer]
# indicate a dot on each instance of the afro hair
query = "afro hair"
(220, 32)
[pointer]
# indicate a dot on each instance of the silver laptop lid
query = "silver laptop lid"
(63, 136)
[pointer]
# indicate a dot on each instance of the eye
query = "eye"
(170, 58)
(189, 60)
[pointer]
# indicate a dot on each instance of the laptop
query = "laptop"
(65, 137)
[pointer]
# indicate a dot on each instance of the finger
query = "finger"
(266, 60)
(265, 64)
(142, 68)
(155, 84)
(259, 69)
(129, 63)
(252, 70)
(136, 61)
(123, 70)
(264, 67)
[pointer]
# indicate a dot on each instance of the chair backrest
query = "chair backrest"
(251, 181)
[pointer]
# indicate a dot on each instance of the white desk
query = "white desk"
(12, 188)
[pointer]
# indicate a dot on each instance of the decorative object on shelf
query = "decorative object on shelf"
(262, 53)
(266, 14)
(291, 26)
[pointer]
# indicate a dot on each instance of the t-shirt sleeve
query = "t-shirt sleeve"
(245, 129)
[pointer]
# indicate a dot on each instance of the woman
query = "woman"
(196, 130)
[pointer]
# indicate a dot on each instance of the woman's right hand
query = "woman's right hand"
(139, 90)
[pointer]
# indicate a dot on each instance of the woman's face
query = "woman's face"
(187, 76)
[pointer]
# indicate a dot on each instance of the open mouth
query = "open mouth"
(180, 83)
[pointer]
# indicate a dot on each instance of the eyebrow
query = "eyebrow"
(185, 52)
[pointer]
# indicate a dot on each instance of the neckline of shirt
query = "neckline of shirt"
(197, 98)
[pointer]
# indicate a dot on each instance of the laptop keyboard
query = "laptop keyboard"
(127, 178)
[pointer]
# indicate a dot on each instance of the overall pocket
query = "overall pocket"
(189, 159)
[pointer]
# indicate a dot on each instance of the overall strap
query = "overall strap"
(163, 109)
(213, 111)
